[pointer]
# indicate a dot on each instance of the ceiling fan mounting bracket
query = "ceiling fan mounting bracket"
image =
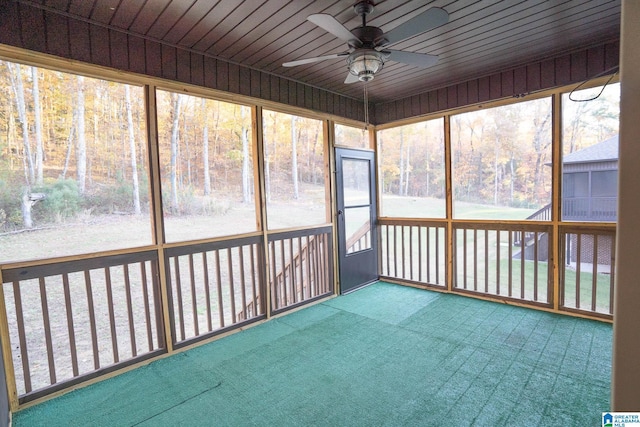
(363, 8)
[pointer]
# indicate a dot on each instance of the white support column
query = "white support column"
(625, 387)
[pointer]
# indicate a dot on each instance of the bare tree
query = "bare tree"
(81, 145)
(407, 168)
(205, 148)
(541, 141)
(15, 76)
(401, 183)
(38, 126)
(132, 148)
(294, 157)
(176, 101)
(246, 176)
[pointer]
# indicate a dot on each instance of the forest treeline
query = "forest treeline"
(71, 144)
(500, 156)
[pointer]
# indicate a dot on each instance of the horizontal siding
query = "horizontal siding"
(572, 68)
(39, 30)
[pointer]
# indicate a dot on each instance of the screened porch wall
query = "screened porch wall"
(66, 38)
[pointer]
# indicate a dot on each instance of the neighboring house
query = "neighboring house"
(590, 183)
(589, 193)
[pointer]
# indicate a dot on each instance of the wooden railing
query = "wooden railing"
(590, 209)
(413, 250)
(73, 320)
(212, 284)
(588, 268)
(360, 239)
(301, 266)
(543, 214)
(486, 260)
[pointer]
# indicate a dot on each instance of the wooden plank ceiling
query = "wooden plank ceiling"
(481, 37)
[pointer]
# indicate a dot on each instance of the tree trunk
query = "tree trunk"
(132, 148)
(401, 183)
(496, 172)
(314, 156)
(205, 149)
(540, 146)
(513, 178)
(67, 157)
(18, 91)
(26, 210)
(407, 170)
(81, 146)
(38, 126)
(246, 178)
(267, 161)
(176, 101)
(294, 157)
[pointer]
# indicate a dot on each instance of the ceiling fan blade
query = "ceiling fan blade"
(312, 60)
(333, 26)
(422, 60)
(425, 21)
(351, 79)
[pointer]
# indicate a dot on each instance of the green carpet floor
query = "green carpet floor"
(385, 355)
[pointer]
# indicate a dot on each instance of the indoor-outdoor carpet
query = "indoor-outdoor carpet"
(384, 355)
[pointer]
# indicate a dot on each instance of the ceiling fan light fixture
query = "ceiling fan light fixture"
(365, 63)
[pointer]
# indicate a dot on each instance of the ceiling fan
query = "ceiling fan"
(367, 54)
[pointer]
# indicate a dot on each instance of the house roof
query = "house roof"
(602, 151)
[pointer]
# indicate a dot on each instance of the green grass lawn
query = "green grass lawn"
(488, 271)
(429, 207)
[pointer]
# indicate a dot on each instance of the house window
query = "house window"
(604, 184)
(576, 185)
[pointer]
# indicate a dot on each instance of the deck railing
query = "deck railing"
(590, 209)
(74, 320)
(542, 214)
(588, 268)
(413, 250)
(301, 266)
(360, 239)
(486, 260)
(212, 285)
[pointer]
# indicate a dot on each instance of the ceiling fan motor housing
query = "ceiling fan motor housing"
(369, 36)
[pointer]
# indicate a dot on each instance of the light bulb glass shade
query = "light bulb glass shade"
(367, 63)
